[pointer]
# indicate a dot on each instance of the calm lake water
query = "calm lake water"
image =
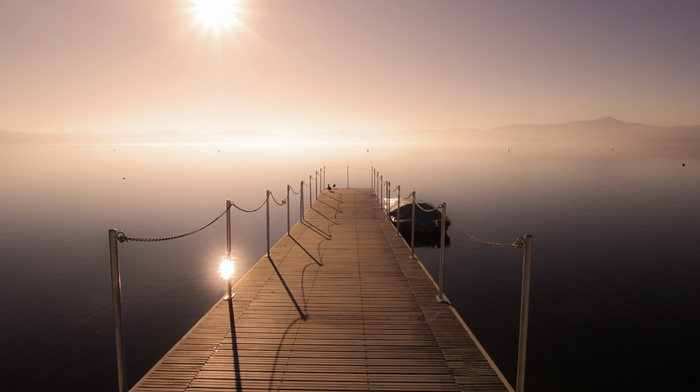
(615, 293)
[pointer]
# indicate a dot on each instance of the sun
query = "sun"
(215, 14)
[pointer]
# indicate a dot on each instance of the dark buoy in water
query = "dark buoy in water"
(683, 164)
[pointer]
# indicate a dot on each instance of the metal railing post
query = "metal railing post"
(442, 251)
(381, 190)
(347, 176)
(374, 181)
(316, 180)
(117, 309)
(377, 180)
(288, 218)
(524, 311)
(374, 185)
(267, 213)
(388, 198)
(398, 211)
(228, 228)
(301, 201)
(311, 196)
(413, 227)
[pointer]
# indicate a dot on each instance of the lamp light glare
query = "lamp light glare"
(227, 268)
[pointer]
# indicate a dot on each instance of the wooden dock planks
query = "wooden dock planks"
(338, 306)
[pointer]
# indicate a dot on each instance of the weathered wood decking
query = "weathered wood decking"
(339, 306)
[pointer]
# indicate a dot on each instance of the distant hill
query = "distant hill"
(605, 130)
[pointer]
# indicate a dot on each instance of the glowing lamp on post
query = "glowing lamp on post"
(227, 268)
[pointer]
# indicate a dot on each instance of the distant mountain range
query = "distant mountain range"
(601, 130)
(604, 129)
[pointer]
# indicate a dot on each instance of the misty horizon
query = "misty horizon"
(606, 128)
(609, 123)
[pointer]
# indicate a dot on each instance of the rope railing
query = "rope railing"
(517, 244)
(428, 209)
(380, 186)
(116, 237)
(253, 210)
(121, 237)
(283, 202)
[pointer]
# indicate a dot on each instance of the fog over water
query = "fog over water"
(614, 214)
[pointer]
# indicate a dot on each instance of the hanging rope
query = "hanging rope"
(244, 210)
(428, 210)
(276, 202)
(517, 244)
(123, 237)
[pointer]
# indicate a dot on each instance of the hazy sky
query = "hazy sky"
(333, 65)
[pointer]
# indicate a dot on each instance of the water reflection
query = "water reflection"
(614, 260)
(425, 240)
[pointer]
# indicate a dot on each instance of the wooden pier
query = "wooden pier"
(339, 305)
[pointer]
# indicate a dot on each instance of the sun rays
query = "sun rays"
(216, 15)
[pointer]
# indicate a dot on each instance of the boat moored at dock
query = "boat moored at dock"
(428, 219)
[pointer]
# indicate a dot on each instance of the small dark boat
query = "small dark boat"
(400, 212)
